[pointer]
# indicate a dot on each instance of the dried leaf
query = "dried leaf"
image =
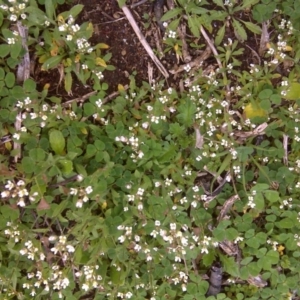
(229, 247)
(257, 281)
(199, 139)
(43, 205)
(226, 207)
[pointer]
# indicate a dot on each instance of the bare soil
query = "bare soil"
(128, 55)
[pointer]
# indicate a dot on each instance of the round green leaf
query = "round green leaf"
(10, 79)
(28, 165)
(272, 196)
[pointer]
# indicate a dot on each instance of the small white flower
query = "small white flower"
(89, 190)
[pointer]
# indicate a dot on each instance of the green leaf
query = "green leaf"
(248, 3)
(194, 25)
(89, 109)
(28, 164)
(230, 265)
(252, 27)
(187, 113)
(16, 50)
(99, 145)
(52, 62)
(37, 154)
(50, 11)
(121, 3)
(259, 202)
(29, 85)
(273, 257)
(206, 22)
(265, 94)
(57, 141)
(265, 104)
(293, 92)
(244, 152)
(231, 234)
(76, 10)
(286, 223)
(4, 50)
(263, 12)
(10, 79)
(276, 99)
(239, 31)
(220, 35)
(219, 3)
(171, 14)
(272, 196)
(66, 166)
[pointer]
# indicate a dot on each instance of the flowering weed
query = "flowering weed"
(137, 196)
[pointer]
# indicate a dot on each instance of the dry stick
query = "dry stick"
(138, 3)
(181, 30)
(285, 147)
(143, 41)
(86, 96)
(23, 73)
(211, 45)
(194, 63)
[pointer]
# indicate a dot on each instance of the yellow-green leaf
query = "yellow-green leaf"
(101, 46)
(100, 62)
(293, 92)
(254, 110)
(68, 82)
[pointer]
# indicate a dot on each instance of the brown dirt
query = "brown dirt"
(128, 54)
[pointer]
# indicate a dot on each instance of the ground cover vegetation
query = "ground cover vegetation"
(148, 192)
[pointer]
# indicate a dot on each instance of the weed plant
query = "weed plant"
(104, 200)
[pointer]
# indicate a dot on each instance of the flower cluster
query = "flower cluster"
(251, 199)
(278, 51)
(90, 278)
(19, 192)
(134, 143)
(70, 28)
(12, 232)
(15, 10)
(56, 280)
(81, 195)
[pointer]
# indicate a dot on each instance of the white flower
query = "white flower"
(21, 203)
(79, 203)
(70, 248)
(173, 226)
(89, 189)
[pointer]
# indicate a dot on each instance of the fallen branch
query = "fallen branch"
(144, 42)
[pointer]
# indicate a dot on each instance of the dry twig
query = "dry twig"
(144, 42)
(88, 95)
(196, 62)
(23, 73)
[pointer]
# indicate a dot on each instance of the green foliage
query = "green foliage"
(122, 198)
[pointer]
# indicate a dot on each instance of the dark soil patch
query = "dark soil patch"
(128, 55)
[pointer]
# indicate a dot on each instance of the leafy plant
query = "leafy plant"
(138, 195)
